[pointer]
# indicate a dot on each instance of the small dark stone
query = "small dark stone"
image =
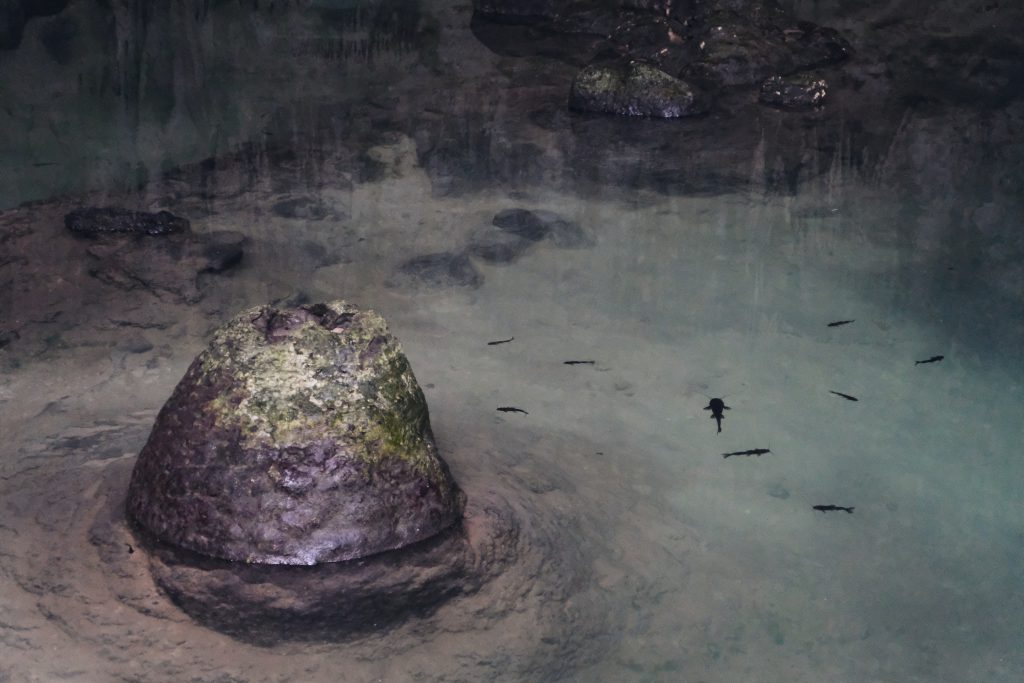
(106, 220)
(497, 246)
(521, 222)
(445, 269)
(220, 250)
(518, 229)
(564, 233)
(7, 337)
(801, 91)
(134, 343)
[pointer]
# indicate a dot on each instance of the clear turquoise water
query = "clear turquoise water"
(719, 255)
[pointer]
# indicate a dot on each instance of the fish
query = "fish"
(578, 362)
(846, 396)
(716, 406)
(500, 341)
(833, 508)
(933, 359)
(753, 451)
(511, 409)
(130, 548)
(837, 323)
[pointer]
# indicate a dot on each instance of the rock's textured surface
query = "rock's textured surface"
(268, 605)
(299, 436)
(633, 88)
(111, 219)
(794, 92)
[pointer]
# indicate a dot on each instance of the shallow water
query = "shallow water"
(717, 254)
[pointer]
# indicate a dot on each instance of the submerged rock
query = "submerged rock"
(112, 219)
(513, 231)
(497, 246)
(633, 88)
(171, 267)
(794, 92)
(298, 436)
(522, 223)
(444, 269)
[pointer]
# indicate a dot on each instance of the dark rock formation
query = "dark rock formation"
(536, 225)
(633, 88)
(170, 267)
(513, 231)
(298, 436)
(104, 220)
(497, 246)
(522, 223)
(444, 269)
(665, 58)
(794, 92)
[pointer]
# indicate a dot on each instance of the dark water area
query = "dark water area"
(422, 160)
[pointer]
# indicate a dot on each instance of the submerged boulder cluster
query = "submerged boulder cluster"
(299, 436)
(673, 58)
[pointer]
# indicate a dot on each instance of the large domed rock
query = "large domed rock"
(298, 436)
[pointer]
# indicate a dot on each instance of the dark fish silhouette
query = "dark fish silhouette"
(579, 362)
(933, 359)
(846, 396)
(500, 341)
(753, 451)
(840, 322)
(130, 548)
(833, 508)
(716, 406)
(510, 409)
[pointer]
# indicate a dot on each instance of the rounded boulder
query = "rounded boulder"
(299, 436)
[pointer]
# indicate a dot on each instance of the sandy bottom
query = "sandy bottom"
(647, 555)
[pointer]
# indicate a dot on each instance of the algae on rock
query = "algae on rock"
(299, 436)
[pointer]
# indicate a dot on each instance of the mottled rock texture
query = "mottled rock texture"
(633, 88)
(111, 219)
(794, 92)
(299, 436)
